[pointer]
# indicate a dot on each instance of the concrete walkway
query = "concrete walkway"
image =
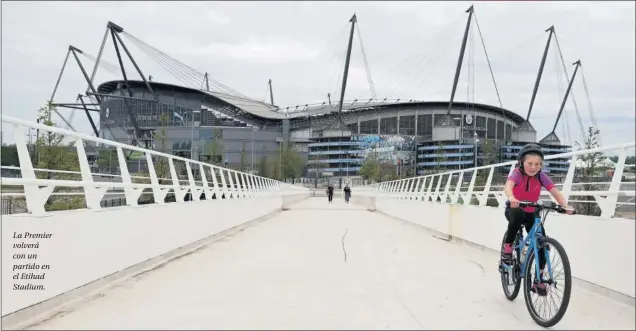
(289, 272)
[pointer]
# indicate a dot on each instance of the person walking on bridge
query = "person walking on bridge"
(330, 192)
(347, 193)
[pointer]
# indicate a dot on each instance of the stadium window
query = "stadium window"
(424, 125)
(407, 125)
(491, 128)
(500, 130)
(369, 127)
(388, 125)
(481, 126)
(353, 127)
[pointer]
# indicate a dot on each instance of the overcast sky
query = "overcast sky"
(411, 49)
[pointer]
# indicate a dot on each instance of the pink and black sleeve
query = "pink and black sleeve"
(515, 176)
(546, 181)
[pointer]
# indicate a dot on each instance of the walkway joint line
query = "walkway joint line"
(343, 245)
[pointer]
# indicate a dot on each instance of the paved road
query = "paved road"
(289, 272)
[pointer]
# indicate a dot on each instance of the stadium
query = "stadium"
(400, 133)
(405, 137)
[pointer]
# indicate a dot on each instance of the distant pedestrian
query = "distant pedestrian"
(330, 192)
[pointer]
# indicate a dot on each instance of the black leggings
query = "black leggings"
(516, 218)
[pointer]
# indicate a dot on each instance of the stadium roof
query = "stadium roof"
(267, 111)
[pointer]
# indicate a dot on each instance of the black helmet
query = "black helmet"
(529, 148)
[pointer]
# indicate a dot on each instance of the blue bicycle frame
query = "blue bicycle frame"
(531, 241)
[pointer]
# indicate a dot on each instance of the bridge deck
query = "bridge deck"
(289, 272)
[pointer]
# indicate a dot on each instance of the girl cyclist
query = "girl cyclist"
(524, 184)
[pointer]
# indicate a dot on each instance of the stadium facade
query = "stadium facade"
(400, 133)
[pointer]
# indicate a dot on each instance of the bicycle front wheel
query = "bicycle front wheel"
(547, 298)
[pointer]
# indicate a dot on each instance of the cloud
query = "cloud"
(411, 49)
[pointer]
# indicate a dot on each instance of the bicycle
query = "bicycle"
(524, 252)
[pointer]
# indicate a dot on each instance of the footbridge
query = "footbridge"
(198, 246)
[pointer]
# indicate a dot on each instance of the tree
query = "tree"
(409, 169)
(274, 167)
(489, 157)
(263, 166)
(9, 156)
(213, 153)
(214, 148)
(489, 152)
(591, 163)
(318, 163)
(54, 154)
(292, 163)
(439, 157)
(107, 159)
(162, 168)
(370, 169)
(628, 160)
(386, 170)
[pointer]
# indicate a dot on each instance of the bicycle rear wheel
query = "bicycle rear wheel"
(553, 285)
(511, 282)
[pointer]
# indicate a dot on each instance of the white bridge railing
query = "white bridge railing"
(429, 187)
(37, 191)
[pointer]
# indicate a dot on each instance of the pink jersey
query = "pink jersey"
(528, 188)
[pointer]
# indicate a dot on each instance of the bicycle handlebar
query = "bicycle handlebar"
(546, 205)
